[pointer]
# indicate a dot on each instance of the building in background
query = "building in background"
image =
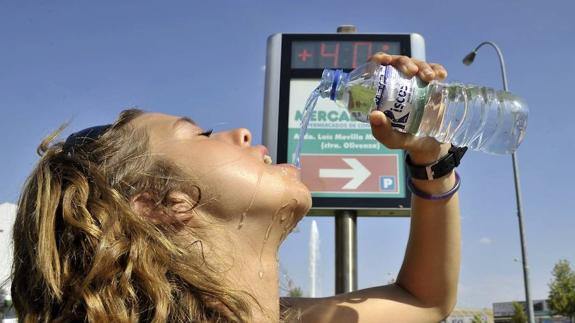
(7, 216)
(466, 315)
(502, 312)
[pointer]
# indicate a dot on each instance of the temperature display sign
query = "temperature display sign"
(337, 54)
(342, 164)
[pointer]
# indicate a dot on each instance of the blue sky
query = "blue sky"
(84, 61)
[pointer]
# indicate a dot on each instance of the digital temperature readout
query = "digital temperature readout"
(337, 54)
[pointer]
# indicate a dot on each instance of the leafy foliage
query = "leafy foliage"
(295, 292)
(519, 315)
(477, 318)
(562, 289)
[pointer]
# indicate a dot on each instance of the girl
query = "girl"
(153, 219)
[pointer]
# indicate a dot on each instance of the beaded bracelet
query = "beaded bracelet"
(432, 197)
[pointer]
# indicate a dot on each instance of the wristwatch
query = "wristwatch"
(438, 169)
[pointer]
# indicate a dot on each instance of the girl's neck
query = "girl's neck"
(258, 276)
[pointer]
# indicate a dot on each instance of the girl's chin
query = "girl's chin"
(289, 169)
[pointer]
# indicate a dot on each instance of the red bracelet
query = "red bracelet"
(433, 197)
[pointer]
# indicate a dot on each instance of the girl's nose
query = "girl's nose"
(240, 136)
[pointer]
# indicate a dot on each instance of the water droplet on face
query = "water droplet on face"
(245, 213)
(261, 274)
(282, 217)
(241, 224)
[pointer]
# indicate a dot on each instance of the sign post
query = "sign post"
(346, 220)
(348, 172)
(346, 251)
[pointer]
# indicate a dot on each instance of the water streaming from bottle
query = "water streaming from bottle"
(307, 113)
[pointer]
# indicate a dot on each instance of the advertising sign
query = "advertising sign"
(341, 162)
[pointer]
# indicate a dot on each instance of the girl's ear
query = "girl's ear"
(177, 208)
(145, 205)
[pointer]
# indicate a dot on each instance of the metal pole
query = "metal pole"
(345, 251)
(345, 235)
(529, 305)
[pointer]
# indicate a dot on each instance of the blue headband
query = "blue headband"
(77, 139)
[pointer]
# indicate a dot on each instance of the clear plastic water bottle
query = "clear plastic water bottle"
(480, 118)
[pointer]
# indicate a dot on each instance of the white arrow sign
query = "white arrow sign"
(358, 173)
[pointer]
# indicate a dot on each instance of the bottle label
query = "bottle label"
(396, 97)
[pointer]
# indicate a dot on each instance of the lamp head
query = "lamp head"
(467, 60)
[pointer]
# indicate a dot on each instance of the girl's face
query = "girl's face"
(235, 182)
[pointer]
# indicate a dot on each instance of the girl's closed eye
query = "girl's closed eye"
(206, 133)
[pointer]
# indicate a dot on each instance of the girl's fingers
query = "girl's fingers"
(402, 63)
(382, 58)
(425, 73)
(405, 64)
(411, 66)
(440, 71)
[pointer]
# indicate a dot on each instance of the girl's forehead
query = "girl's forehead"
(154, 117)
(155, 120)
(160, 127)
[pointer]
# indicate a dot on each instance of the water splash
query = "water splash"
(314, 258)
(289, 225)
(267, 236)
(244, 214)
(307, 113)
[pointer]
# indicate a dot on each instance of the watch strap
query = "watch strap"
(438, 169)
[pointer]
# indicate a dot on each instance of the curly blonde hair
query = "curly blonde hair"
(82, 254)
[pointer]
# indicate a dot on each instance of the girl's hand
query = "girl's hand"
(422, 150)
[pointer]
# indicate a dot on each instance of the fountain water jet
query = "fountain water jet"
(314, 258)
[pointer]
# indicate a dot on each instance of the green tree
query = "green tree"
(477, 318)
(4, 304)
(519, 315)
(295, 292)
(562, 290)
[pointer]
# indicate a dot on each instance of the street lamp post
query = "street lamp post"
(467, 61)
